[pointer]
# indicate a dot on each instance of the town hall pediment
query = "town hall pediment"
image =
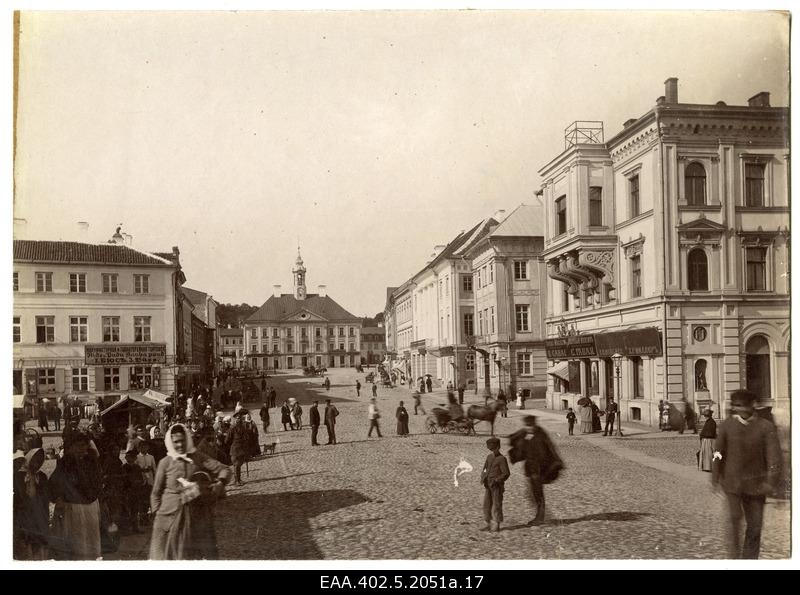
(304, 316)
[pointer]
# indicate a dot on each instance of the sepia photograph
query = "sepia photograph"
(480, 286)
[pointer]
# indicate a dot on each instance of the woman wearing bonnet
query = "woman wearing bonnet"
(187, 483)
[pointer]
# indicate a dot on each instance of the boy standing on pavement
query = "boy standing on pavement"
(746, 466)
(493, 477)
(571, 420)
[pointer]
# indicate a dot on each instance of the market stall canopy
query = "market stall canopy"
(150, 399)
(560, 370)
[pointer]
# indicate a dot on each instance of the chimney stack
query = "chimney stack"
(117, 237)
(128, 239)
(671, 90)
(276, 290)
(322, 290)
(759, 100)
(499, 215)
(83, 231)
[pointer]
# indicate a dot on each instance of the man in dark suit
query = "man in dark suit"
(542, 463)
(330, 420)
(313, 418)
(611, 415)
(746, 466)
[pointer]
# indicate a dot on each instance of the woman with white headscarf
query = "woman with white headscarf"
(186, 486)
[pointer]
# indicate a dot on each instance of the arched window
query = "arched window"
(700, 375)
(698, 270)
(757, 373)
(695, 184)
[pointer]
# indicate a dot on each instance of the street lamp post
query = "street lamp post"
(617, 358)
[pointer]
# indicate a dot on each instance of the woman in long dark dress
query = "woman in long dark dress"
(707, 436)
(31, 509)
(402, 420)
(186, 485)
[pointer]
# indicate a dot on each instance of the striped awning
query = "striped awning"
(560, 370)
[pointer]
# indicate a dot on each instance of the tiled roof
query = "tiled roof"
(79, 253)
(525, 220)
(276, 309)
(198, 298)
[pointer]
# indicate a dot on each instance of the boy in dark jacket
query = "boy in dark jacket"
(493, 477)
(571, 420)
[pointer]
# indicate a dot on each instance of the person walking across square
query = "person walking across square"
(493, 478)
(746, 467)
(418, 402)
(374, 415)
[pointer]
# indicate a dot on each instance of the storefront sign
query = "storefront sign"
(126, 354)
(570, 347)
(639, 342)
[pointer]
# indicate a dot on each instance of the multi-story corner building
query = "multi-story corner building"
(668, 245)
(509, 284)
(373, 344)
(231, 347)
(299, 329)
(204, 307)
(92, 320)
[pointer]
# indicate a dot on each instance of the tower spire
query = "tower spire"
(299, 274)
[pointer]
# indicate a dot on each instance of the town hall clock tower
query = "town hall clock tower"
(299, 273)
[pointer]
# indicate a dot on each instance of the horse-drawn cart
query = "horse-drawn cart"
(440, 420)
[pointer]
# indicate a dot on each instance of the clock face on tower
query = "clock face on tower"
(301, 292)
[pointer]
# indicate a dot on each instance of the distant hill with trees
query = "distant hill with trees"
(234, 314)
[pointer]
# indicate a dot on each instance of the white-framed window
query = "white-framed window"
(480, 322)
(110, 283)
(697, 263)
(695, 184)
(635, 206)
(524, 364)
(756, 268)
(78, 329)
(754, 184)
(341, 331)
(290, 347)
(341, 346)
(331, 347)
(466, 283)
(318, 347)
(254, 333)
(520, 270)
(595, 206)
(275, 333)
(141, 329)
(44, 282)
(522, 317)
(141, 284)
(469, 324)
(110, 329)
(46, 376)
(317, 331)
(636, 276)
(110, 378)
(491, 319)
(45, 329)
(561, 214)
(469, 361)
(352, 347)
(77, 282)
(638, 377)
(16, 281)
(289, 332)
(254, 348)
(352, 332)
(80, 379)
(141, 376)
(478, 278)
(491, 272)
(17, 329)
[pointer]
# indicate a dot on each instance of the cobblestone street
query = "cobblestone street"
(640, 497)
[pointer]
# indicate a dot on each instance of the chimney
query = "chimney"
(128, 239)
(83, 231)
(629, 122)
(499, 215)
(437, 250)
(276, 291)
(759, 100)
(322, 290)
(660, 100)
(671, 90)
(117, 237)
(20, 227)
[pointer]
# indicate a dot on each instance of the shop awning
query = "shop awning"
(560, 370)
(154, 400)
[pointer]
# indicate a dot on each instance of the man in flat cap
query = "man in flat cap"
(746, 466)
(493, 477)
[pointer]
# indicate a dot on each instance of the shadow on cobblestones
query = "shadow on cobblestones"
(601, 516)
(280, 514)
(282, 477)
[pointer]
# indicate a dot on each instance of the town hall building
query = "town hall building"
(299, 329)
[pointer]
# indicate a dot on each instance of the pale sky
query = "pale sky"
(368, 136)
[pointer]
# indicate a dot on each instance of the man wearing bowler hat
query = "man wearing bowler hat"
(493, 477)
(746, 466)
